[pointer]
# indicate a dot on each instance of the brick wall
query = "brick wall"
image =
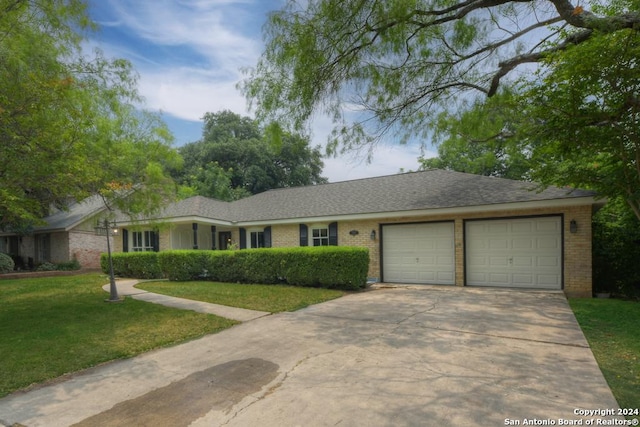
(577, 246)
(86, 247)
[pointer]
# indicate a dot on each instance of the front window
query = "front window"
(143, 241)
(320, 237)
(257, 239)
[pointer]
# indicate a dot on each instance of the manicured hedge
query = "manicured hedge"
(337, 267)
(139, 265)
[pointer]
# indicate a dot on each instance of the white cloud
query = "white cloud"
(189, 54)
(188, 93)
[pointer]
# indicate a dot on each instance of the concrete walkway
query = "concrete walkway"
(127, 287)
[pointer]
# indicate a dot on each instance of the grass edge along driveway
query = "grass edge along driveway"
(52, 326)
(612, 328)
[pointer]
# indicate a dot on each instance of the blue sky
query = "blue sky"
(189, 55)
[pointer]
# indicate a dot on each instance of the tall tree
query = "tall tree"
(376, 66)
(235, 158)
(68, 126)
(480, 139)
(403, 63)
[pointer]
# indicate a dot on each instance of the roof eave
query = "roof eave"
(459, 210)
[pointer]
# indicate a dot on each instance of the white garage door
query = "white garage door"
(522, 253)
(418, 253)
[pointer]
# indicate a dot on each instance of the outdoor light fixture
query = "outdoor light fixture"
(354, 232)
(573, 226)
(373, 235)
(108, 228)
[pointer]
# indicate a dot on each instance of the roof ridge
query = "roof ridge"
(324, 184)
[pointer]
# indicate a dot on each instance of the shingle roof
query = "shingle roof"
(197, 206)
(75, 214)
(431, 189)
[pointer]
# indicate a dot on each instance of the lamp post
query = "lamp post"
(107, 228)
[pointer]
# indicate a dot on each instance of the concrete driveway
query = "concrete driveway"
(404, 356)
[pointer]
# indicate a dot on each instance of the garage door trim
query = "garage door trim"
(390, 224)
(554, 215)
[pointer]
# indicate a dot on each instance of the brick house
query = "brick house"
(430, 227)
(66, 235)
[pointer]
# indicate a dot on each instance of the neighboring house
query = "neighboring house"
(66, 235)
(431, 227)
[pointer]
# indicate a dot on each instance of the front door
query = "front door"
(224, 240)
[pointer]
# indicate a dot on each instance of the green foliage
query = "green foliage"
(69, 124)
(376, 67)
(72, 265)
(139, 265)
(6, 263)
(611, 328)
(235, 159)
(183, 264)
(335, 267)
(616, 250)
(56, 325)
(584, 113)
(481, 139)
(46, 266)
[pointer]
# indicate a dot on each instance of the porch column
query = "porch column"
(195, 235)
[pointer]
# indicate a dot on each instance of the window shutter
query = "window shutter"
(304, 235)
(243, 238)
(333, 234)
(213, 237)
(194, 226)
(267, 237)
(156, 240)
(125, 240)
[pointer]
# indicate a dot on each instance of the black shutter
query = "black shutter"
(156, 240)
(213, 237)
(243, 238)
(267, 237)
(194, 226)
(304, 235)
(125, 240)
(333, 234)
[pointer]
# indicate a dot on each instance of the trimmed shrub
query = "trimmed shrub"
(46, 266)
(338, 267)
(6, 263)
(184, 264)
(72, 265)
(139, 265)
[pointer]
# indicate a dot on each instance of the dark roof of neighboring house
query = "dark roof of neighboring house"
(74, 214)
(431, 189)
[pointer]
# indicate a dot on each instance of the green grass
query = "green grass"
(271, 298)
(612, 328)
(56, 325)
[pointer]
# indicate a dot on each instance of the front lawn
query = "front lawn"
(612, 328)
(271, 298)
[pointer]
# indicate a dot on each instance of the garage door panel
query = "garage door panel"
(418, 253)
(521, 252)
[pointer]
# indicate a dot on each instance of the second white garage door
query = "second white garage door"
(519, 253)
(418, 253)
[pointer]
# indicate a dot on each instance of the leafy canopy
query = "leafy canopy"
(69, 123)
(236, 158)
(378, 66)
